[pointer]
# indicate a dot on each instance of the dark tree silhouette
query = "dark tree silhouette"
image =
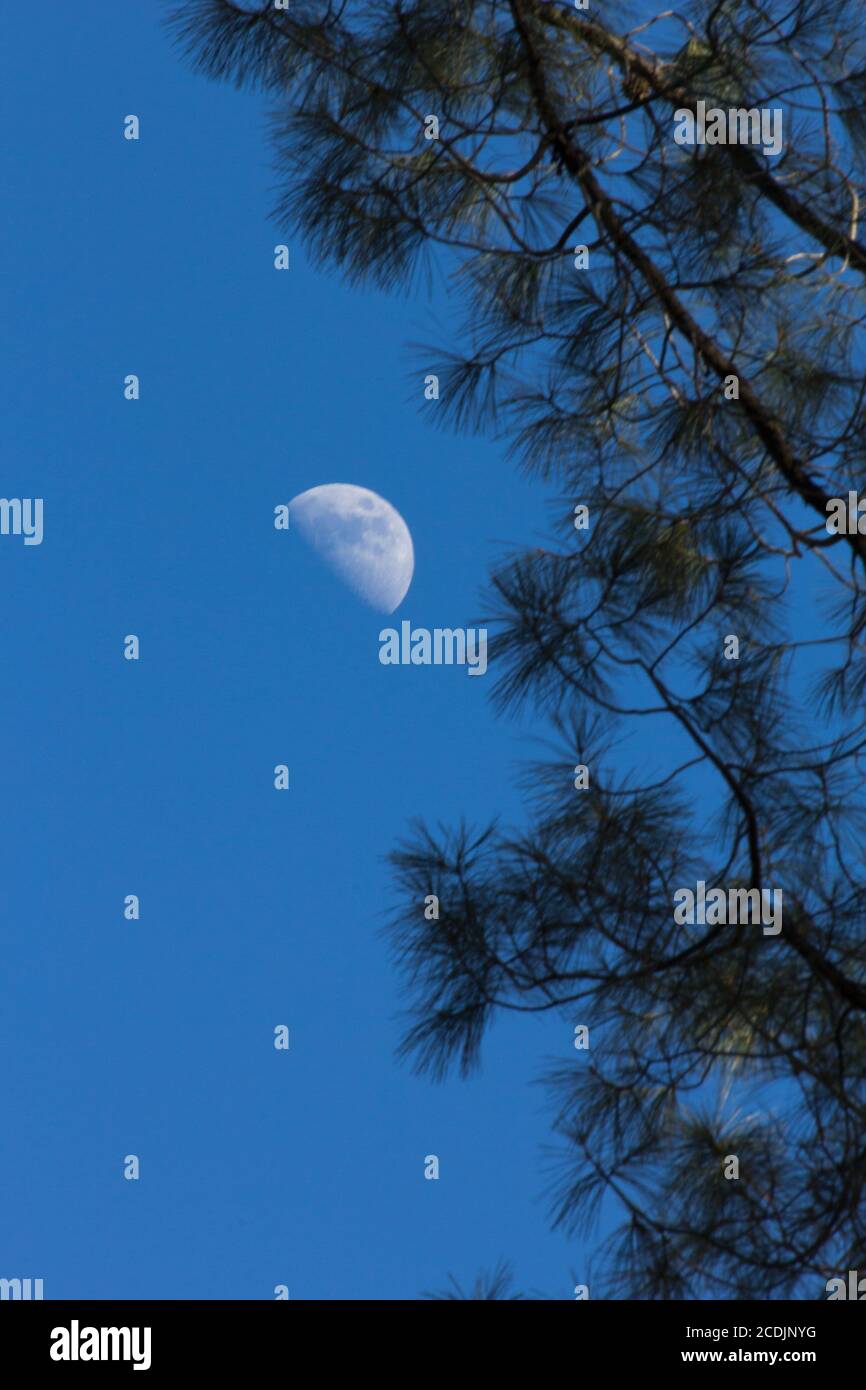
(696, 380)
(494, 1284)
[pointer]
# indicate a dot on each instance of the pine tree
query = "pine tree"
(670, 335)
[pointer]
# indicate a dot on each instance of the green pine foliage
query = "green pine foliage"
(612, 386)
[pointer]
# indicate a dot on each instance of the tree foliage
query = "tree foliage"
(612, 385)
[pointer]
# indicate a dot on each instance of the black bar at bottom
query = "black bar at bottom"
(153, 1338)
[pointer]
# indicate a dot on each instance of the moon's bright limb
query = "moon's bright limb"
(361, 536)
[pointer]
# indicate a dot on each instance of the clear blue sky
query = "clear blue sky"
(258, 908)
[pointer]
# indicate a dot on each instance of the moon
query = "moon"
(361, 537)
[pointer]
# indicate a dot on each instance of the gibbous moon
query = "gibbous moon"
(361, 537)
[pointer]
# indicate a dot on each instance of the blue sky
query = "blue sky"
(258, 908)
(156, 778)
